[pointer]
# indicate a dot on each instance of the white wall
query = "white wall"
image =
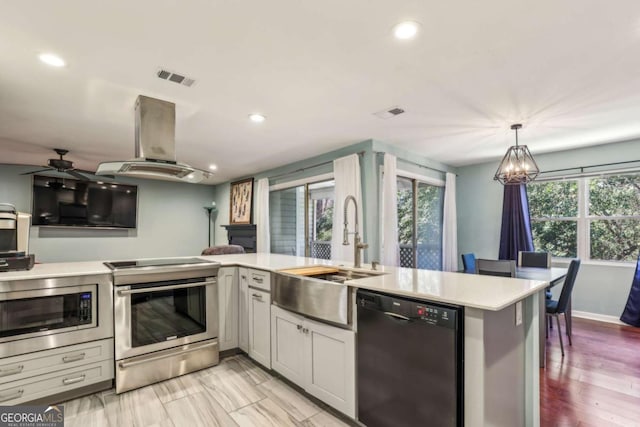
(172, 221)
(600, 288)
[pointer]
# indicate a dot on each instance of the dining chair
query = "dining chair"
(537, 260)
(556, 307)
(223, 250)
(534, 259)
(469, 262)
(494, 267)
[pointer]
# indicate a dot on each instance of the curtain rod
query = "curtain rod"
(582, 168)
(417, 164)
(359, 153)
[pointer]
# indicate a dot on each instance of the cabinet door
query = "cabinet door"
(287, 341)
(228, 306)
(260, 326)
(330, 365)
(243, 313)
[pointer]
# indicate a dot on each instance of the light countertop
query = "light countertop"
(469, 290)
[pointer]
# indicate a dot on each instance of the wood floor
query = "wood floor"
(597, 383)
(234, 393)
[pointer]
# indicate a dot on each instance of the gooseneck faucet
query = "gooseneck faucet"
(357, 244)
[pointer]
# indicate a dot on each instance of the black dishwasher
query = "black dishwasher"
(410, 362)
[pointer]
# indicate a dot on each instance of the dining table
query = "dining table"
(555, 276)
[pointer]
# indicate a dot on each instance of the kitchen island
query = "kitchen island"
(501, 321)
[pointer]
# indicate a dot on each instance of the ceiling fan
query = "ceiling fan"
(64, 166)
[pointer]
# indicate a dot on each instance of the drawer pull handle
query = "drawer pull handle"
(11, 371)
(74, 358)
(15, 395)
(179, 352)
(78, 379)
(299, 327)
(258, 279)
(257, 296)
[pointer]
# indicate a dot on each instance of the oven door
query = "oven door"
(39, 312)
(156, 316)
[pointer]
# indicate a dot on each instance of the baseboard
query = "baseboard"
(595, 316)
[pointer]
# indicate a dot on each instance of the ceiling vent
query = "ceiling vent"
(175, 77)
(389, 112)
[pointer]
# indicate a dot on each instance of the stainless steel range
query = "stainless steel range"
(165, 319)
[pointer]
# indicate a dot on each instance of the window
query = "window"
(301, 220)
(592, 218)
(553, 207)
(420, 207)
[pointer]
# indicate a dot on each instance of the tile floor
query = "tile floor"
(234, 393)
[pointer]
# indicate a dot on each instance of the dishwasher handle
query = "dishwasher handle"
(397, 316)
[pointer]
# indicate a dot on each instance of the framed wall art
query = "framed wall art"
(241, 199)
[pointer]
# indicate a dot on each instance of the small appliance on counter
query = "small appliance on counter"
(14, 239)
(14, 261)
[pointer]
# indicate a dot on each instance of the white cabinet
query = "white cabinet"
(227, 308)
(317, 357)
(330, 365)
(243, 314)
(287, 341)
(259, 326)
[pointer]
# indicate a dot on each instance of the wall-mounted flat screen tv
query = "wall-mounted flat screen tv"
(64, 202)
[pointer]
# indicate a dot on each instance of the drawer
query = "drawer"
(42, 386)
(260, 279)
(41, 362)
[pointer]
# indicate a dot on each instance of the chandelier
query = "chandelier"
(517, 165)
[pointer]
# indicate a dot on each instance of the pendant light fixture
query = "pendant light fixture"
(517, 166)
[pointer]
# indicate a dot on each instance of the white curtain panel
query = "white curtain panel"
(450, 226)
(346, 172)
(390, 246)
(263, 238)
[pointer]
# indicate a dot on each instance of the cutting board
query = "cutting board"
(311, 271)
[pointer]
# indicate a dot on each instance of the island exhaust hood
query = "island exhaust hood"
(154, 146)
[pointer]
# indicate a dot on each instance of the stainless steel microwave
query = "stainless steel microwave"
(40, 314)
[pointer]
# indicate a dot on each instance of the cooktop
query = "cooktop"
(119, 265)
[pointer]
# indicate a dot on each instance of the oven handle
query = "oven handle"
(123, 292)
(125, 365)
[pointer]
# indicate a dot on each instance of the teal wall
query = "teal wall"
(370, 162)
(600, 288)
(171, 222)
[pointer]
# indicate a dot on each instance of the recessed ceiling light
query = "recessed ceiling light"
(406, 30)
(51, 59)
(213, 167)
(257, 118)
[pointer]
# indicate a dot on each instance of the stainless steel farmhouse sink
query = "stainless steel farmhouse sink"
(322, 296)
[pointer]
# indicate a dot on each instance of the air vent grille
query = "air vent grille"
(175, 77)
(389, 112)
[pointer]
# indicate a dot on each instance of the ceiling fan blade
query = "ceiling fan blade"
(93, 174)
(38, 171)
(77, 175)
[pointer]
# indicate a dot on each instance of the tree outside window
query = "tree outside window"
(553, 208)
(609, 222)
(422, 221)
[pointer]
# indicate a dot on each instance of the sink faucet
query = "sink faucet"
(357, 244)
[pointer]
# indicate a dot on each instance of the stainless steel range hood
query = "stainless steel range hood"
(154, 146)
